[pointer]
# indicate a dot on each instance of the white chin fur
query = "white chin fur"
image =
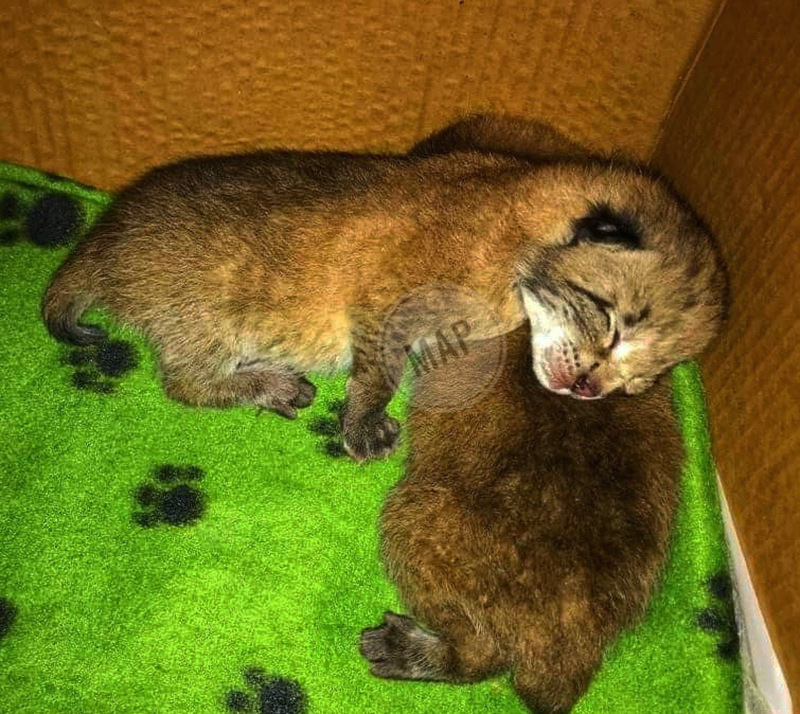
(586, 399)
(544, 380)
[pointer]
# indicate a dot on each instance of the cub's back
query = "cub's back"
(530, 499)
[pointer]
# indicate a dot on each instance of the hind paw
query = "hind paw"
(284, 394)
(396, 649)
(305, 393)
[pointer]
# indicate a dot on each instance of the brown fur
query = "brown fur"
(528, 531)
(502, 135)
(248, 271)
(676, 281)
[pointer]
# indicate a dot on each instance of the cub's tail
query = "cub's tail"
(67, 298)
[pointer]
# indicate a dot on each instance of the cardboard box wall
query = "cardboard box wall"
(710, 90)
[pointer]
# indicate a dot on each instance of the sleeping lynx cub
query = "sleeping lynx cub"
(248, 271)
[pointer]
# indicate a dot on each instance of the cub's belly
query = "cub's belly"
(319, 343)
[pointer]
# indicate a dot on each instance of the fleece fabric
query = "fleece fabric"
(162, 559)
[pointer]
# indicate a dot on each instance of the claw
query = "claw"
(370, 438)
(284, 410)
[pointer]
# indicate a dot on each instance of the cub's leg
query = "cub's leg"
(554, 684)
(400, 649)
(205, 381)
(377, 368)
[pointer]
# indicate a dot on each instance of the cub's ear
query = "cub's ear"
(540, 307)
(602, 224)
(530, 301)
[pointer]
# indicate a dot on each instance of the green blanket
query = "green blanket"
(163, 559)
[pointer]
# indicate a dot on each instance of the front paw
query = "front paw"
(373, 436)
(639, 385)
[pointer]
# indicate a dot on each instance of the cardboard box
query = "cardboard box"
(707, 89)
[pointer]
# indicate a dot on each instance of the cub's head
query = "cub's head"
(622, 280)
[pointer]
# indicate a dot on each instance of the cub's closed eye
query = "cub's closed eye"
(606, 226)
(615, 338)
(631, 319)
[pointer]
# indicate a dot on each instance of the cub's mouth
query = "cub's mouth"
(578, 386)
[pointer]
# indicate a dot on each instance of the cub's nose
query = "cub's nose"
(585, 387)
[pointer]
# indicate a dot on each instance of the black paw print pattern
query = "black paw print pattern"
(98, 367)
(10, 212)
(720, 617)
(268, 695)
(329, 428)
(8, 613)
(171, 498)
(51, 221)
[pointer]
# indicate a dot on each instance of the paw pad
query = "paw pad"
(97, 367)
(170, 498)
(268, 695)
(52, 221)
(10, 210)
(8, 613)
(9, 207)
(330, 430)
(720, 618)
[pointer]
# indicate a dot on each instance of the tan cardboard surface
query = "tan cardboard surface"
(733, 145)
(100, 89)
